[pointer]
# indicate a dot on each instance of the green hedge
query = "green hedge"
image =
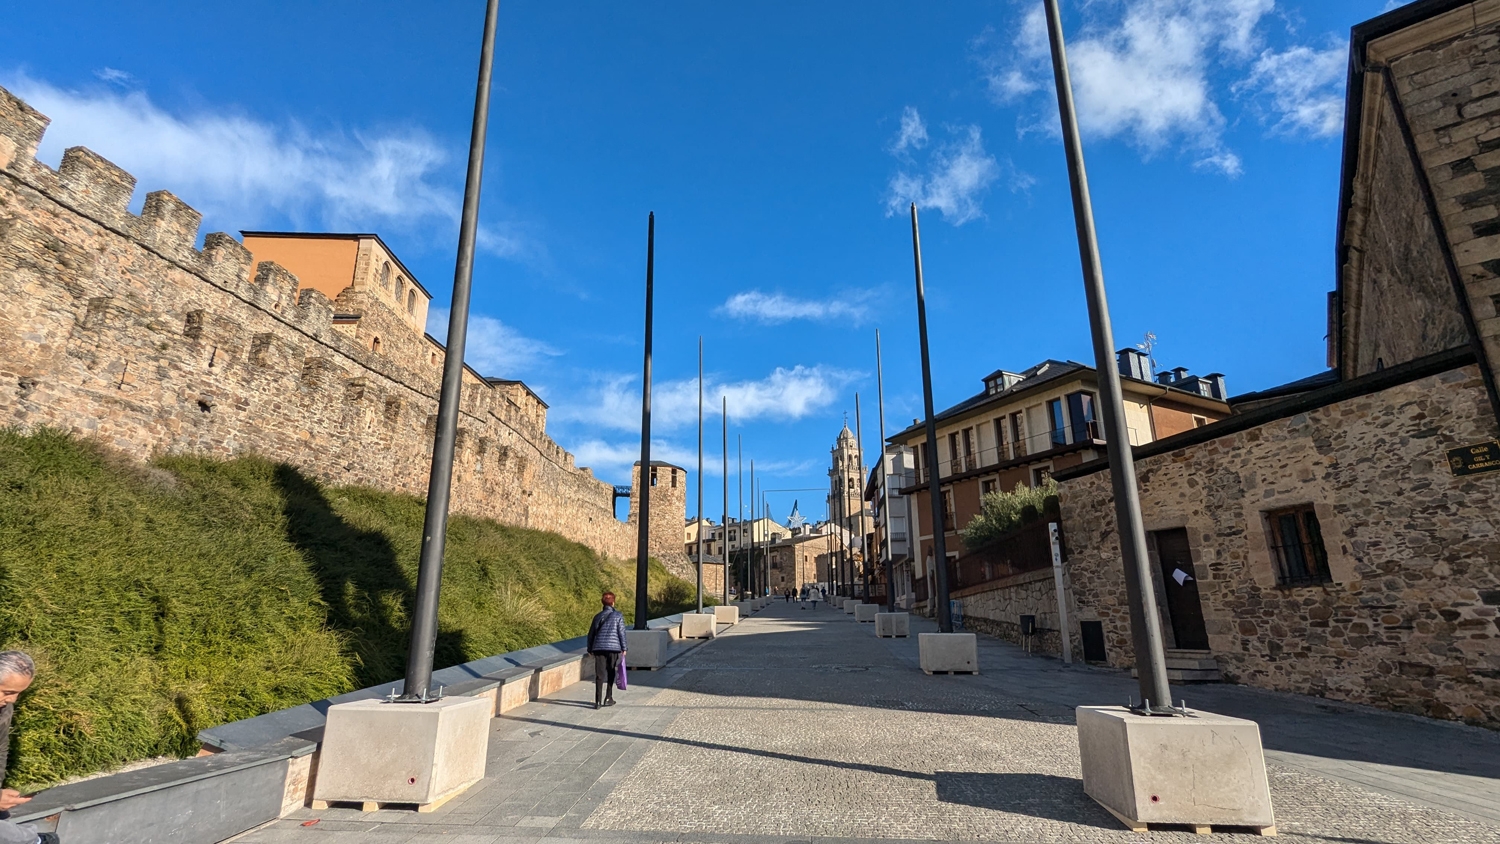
(161, 599)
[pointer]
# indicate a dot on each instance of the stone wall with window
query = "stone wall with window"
(1334, 551)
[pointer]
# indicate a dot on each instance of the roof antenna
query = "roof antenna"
(1148, 345)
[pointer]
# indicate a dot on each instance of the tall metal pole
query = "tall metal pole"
(724, 453)
(739, 447)
(643, 482)
(934, 485)
(700, 473)
(885, 485)
(423, 641)
(1145, 623)
(750, 561)
(859, 450)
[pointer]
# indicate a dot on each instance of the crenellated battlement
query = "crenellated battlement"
(121, 327)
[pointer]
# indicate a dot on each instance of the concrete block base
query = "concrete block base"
(865, 612)
(699, 625)
(1204, 770)
(727, 615)
(892, 625)
(849, 605)
(647, 648)
(404, 753)
(948, 653)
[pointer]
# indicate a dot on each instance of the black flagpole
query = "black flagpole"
(419, 652)
(643, 479)
(934, 484)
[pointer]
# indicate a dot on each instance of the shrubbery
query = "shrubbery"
(162, 599)
(1003, 512)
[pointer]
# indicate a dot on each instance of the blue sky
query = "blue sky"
(778, 144)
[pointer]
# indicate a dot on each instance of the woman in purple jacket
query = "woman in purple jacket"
(607, 644)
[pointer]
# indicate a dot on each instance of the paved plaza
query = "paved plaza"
(800, 725)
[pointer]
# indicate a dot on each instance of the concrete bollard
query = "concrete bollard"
(850, 604)
(727, 615)
(647, 648)
(865, 613)
(379, 752)
(948, 653)
(1127, 756)
(699, 625)
(892, 625)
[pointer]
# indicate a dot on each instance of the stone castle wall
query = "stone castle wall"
(1410, 619)
(115, 326)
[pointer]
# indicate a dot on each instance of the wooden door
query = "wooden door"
(1180, 585)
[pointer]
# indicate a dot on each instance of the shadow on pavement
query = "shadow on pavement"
(1034, 795)
(827, 657)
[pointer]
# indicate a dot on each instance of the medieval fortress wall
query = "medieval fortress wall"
(113, 325)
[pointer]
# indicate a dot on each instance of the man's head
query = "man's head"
(608, 599)
(16, 671)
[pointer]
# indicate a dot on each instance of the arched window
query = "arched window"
(411, 302)
(400, 289)
(375, 345)
(851, 483)
(385, 276)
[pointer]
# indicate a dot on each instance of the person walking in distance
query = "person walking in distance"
(607, 644)
(16, 673)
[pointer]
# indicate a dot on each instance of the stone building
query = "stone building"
(1338, 536)
(794, 561)
(1025, 426)
(116, 327)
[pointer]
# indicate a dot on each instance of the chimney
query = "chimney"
(1179, 373)
(1164, 378)
(1134, 364)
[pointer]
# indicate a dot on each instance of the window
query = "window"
(653, 476)
(986, 487)
(1055, 422)
(1296, 542)
(1017, 431)
(948, 519)
(1040, 475)
(375, 345)
(385, 276)
(969, 449)
(411, 301)
(1081, 416)
(674, 479)
(400, 289)
(1199, 421)
(1002, 442)
(734, 536)
(954, 465)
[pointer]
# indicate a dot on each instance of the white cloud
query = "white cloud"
(773, 308)
(1141, 71)
(613, 460)
(493, 348)
(243, 172)
(913, 133)
(1305, 87)
(958, 174)
(114, 76)
(785, 394)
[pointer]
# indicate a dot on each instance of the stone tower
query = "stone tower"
(668, 514)
(846, 483)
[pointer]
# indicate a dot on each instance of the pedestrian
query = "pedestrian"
(814, 595)
(16, 673)
(607, 645)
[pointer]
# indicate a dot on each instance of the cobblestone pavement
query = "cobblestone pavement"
(800, 725)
